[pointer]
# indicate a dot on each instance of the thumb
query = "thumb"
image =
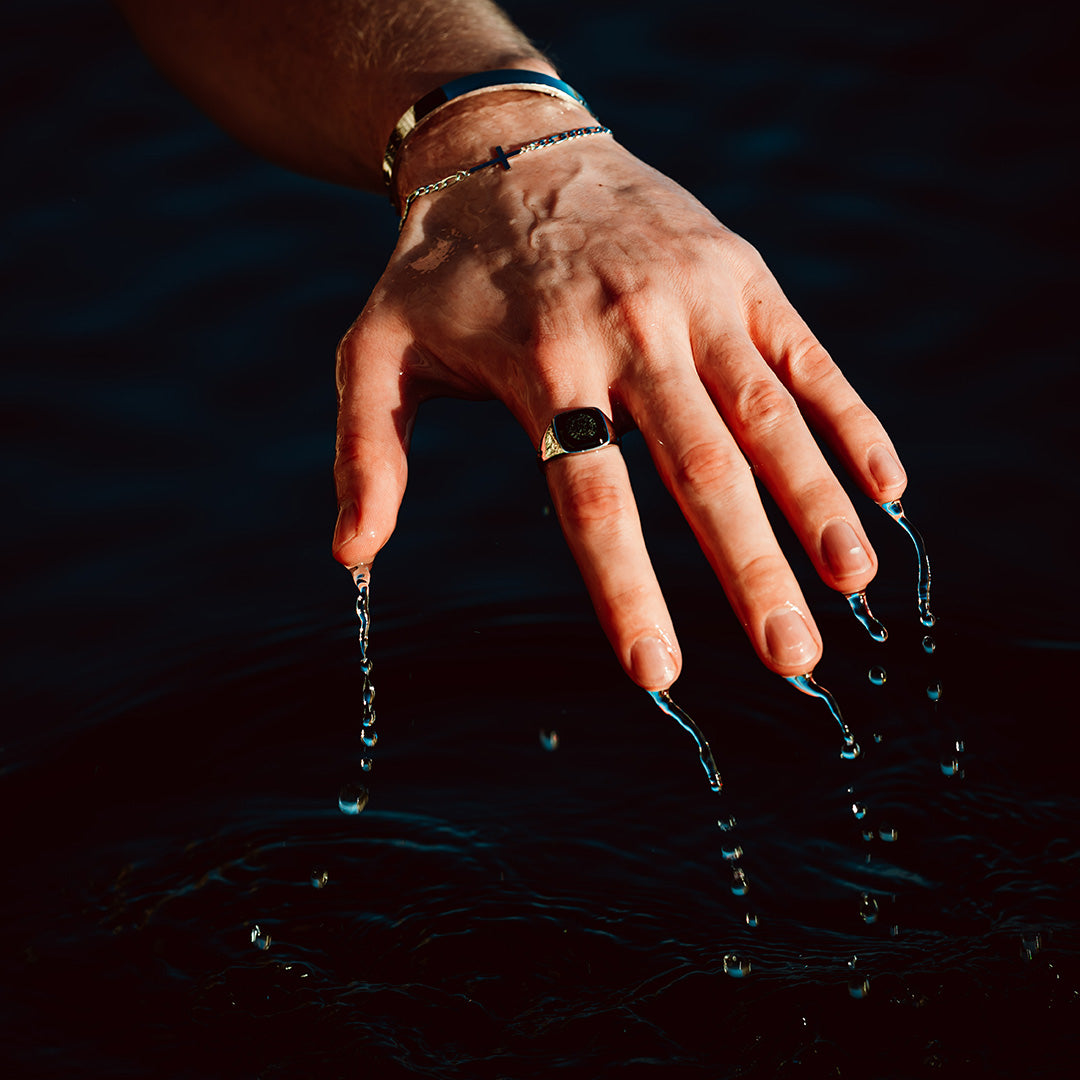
(375, 417)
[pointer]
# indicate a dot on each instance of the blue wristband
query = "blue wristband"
(504, 79)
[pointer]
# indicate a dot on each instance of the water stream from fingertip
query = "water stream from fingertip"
(861, 610)
(353, 796)
(668, 706)
(850, 748)
(896, 512)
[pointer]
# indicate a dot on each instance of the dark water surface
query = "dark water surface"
(183, 896)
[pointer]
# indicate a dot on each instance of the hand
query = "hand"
(584, 277)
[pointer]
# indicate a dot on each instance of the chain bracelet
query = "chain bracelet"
(501, 158)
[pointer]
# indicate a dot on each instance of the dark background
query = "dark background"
(178, 664)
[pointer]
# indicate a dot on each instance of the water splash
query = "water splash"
(850, 748)
(860, 608)
(667, 705)
(896, 512)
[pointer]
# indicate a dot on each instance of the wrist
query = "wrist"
(467, 131)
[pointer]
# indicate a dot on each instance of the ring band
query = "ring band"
(576, 431)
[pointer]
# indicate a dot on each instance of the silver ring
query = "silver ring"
(576, 431)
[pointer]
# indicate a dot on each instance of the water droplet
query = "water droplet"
(896, 512)
(859, 988)
(736, 966)
(319, 878)
(951, 767)
(352, 798)
(859, 810)
(878, 676)
(933, 691)
(853, 961)
(369, 737)
(928, 644)
(667, 705)
(894, 930)
(366, 763)
(1030, 944)
(861, 610)
(740, 886)
(850, 750)
(259, 939)
(868, 909)
(369, 697)
(959, 744)
(549, 740)
(751, 920)
(877, 736)
(888, 833)
(731, 851)
(726, 824)
(868, 834)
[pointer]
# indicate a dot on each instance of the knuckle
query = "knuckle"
(816, 494)
(591, 502)
(348, 351)
(761, 405)
(758, 576)
(708, 472)
(805, 362)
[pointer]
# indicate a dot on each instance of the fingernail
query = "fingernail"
(884, 468)
(788, 638)
(842, 550)
(348, 521)
(653, 663)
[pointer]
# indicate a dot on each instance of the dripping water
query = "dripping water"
(353, 797)
(896, 512)
(361, 576)
(861, 610)
(850, 748)
(667, 705)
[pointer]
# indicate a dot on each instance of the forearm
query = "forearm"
(318, 86)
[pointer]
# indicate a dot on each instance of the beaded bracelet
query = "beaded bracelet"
(502, 157)
(466, 86)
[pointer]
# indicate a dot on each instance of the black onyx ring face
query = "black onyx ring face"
(581, 429)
